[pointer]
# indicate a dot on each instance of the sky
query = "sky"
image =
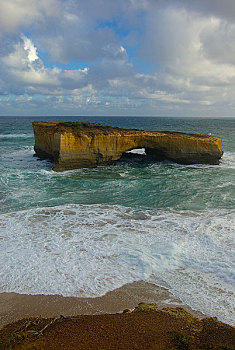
(117, 58)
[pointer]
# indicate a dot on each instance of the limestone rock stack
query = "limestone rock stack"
(75, 145)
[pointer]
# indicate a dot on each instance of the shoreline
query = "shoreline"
(144, 327)
(15, 306)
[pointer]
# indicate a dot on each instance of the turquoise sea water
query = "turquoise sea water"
(85, 232)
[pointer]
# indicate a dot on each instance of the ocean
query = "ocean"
(88, 231)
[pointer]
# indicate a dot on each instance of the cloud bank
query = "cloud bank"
(131, 57)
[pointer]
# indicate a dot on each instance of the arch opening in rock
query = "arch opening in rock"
(137, 151)
(156, 154)
(135, 154)
(144, 154)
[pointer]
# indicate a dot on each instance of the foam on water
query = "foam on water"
(15, 136)
(137, 151)
(227, 162)
(22, 160)
(24, 155)
(87, 250)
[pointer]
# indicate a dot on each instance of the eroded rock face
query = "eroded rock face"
(78, 145)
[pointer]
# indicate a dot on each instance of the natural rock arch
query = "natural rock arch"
(78, 145)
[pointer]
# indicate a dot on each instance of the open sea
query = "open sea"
(86, 232)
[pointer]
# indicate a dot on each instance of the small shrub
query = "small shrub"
(226, 347)
(85, 125)
(182, 340)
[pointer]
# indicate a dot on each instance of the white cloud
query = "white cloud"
(79, 41)
(181, 42)
(23, 67)
(218, 44)
(17, 13)
(138, 54)
(223, 9)
(30, 48)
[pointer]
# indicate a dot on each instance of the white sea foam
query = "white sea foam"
(25, 153)
(137, 151)
(13, 136)
(227, 162)
(26, 159)
(23, 159)
(226, 184)
(87, 250)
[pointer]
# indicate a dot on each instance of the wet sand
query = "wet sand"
(16, 306)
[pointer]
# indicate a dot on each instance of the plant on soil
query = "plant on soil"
(182, 341)
(80, 125)
(226, 347)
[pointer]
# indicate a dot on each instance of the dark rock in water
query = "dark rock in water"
(77, 145)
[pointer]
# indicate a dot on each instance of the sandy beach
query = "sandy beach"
(16, 306)
(144, 327)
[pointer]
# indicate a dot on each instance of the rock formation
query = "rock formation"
(75, 145)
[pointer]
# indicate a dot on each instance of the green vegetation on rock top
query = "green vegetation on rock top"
(90, 128)
(81, 125)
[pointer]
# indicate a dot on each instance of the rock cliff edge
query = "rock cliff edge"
(75, 145)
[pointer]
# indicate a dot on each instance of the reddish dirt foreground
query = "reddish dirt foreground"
(16, 306)
(144, 328)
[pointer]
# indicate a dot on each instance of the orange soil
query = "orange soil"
(144, 328)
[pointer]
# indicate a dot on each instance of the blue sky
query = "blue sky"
(126, 57)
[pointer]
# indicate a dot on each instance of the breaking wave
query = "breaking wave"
(88, 250)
